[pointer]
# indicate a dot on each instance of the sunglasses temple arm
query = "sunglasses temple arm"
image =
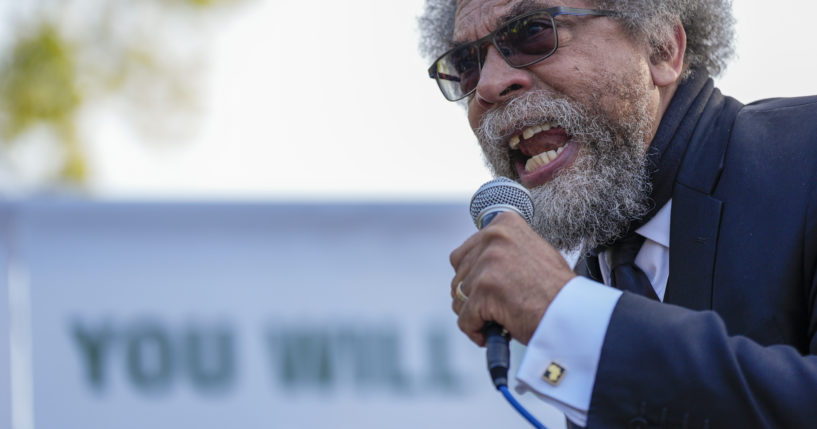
(443, 76)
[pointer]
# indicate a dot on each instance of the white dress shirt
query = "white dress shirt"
(571, 333)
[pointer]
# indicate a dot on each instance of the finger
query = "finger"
(499, 230)
(464, 270)
(465, 257)
(466, 326)
(465, 262)
(459, 254)
(455, 284)
(470, 316)
(459, 298)
(456, 306)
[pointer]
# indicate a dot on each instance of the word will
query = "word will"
(151, 357)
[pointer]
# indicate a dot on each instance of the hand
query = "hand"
(510, 276)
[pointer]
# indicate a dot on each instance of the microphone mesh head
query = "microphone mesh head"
(502, 192)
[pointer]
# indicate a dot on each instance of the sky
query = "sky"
(327, 101)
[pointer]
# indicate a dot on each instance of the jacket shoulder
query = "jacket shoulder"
(789, 106)
(787, 125)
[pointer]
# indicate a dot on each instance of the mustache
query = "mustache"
(534, 108)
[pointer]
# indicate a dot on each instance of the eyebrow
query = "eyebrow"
(519, 9)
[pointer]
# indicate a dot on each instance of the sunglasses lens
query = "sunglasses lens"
(458, 72)
(522, 42)
(527, 40)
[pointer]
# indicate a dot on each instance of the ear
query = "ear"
(667, 59)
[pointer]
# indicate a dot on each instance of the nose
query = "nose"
(498, 81)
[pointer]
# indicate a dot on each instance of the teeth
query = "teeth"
(543, 159)
(528, 133)
(514, 143)
(536, 162)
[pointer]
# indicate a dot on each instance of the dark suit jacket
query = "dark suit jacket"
(733, 345)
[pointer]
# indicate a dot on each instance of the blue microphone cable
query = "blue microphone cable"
(528, 416)
(499, 360)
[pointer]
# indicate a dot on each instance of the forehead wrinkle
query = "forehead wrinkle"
(520, 8)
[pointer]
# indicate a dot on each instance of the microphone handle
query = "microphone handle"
(497, 351)
(497, 339)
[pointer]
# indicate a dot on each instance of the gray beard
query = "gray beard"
(594, 200)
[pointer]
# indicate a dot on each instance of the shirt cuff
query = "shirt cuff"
(570, 335)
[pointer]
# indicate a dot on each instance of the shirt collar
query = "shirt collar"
(657, 229)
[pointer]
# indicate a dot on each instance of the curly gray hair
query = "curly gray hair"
(709, 27)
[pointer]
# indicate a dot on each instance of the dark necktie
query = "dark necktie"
(624, 273)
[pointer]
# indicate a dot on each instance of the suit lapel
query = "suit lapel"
(696, 213)
(694, 227)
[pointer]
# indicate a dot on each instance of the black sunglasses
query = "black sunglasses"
(522, 41)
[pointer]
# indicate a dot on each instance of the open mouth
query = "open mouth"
(538, 152)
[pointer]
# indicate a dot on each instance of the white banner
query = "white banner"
(239, 316)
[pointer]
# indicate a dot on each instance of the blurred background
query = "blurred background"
(239, 212)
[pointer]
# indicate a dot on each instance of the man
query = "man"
(605, 111)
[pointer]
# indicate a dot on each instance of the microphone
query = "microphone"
(495, 197)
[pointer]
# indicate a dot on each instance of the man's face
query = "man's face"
(572, 128)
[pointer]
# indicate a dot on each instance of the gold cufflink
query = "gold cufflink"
(554, 373)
